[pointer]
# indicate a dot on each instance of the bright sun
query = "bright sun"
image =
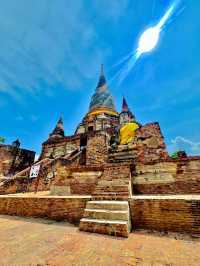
(148, 40)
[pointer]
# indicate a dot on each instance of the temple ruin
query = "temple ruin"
(113, 175)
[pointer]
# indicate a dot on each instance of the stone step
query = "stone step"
(122, 153)
(116, 178)
(110, 197)
(113, 159)
(107, 193)
(121, 156)
(106, 214)
(106, 217)
(107, 205)
(111, 189)
(110, 192)
(127, 152)
(114, 182)
(101, 226)
(119, 160)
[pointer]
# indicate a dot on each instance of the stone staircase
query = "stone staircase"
(121, 156)
(106, 217)
(116, 189)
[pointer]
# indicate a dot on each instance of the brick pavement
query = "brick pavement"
(39, 242)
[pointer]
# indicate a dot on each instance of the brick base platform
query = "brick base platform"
(177, 213)
(60, 208)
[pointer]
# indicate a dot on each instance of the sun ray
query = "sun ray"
(147, 41)
(122, 60)
(171, 19)
(130, 64)
(116, 75)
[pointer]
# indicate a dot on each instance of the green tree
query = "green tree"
(174, 155)
(2, 139)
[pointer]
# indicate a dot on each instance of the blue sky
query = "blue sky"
(51, 53)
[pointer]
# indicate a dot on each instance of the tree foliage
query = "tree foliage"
(2, 139)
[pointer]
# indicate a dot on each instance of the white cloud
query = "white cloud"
(181, 143)
(47, 43)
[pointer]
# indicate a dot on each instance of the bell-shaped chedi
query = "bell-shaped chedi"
(58, 131)
(102, 113)
(102, 98)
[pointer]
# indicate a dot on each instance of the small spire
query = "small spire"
(102, 70)
(125, 109)
(61, 116)
(16, 143)
(60, 121)
(58, 130)
(124, 105)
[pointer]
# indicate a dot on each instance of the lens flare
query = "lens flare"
(149, 39)
(147, 42)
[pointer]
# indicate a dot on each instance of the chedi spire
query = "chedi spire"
(102, 96)
(58, 131)
(102, 79)
(126, 116)
(124, 105)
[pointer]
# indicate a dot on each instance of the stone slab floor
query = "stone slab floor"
(39, 242)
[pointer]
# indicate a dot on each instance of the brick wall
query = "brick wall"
(81, 180)
(59, 147)
(96, 153)
(116, 171)
(150, 145)
(166, 213)
(24, 184)
(13, 159)
(56, 208)
(170, 177)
